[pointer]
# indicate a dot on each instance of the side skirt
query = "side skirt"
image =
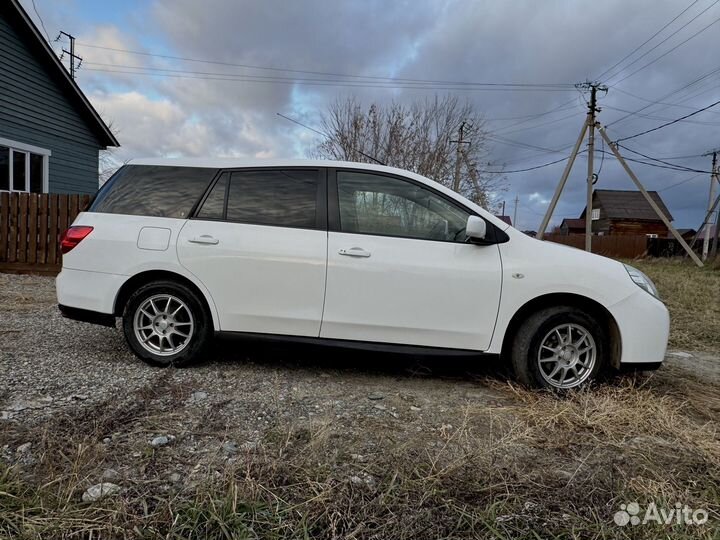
(357, 345)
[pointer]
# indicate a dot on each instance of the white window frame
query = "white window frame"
(27, 149)
(595, 215)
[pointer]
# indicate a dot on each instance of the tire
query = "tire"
(166, 324)
(541, 346)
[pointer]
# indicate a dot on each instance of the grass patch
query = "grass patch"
(545, 466)
(692, 296)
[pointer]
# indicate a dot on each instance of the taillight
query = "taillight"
(73, 236)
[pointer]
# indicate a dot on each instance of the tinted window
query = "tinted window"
(374, 204)
(36, 173)
(214, 205)
(285, 198)
(18, 159)
(4, 168)
(150, 190)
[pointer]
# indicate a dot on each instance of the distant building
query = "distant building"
(506, 219)
(621, 212)
(572, 226)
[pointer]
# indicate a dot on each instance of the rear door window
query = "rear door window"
(152, 190)
(282, 198)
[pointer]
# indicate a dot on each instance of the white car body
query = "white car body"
(407, 291)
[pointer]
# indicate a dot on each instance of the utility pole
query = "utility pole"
(503, 208)
(70, 53)
(514, 221)
(715, 177)
(591, 124)
(592, 109)
(711, 197)
(588, 127)
(458, 155)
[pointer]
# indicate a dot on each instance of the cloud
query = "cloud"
(459, 40)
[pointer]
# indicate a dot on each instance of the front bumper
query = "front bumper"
(644, 325)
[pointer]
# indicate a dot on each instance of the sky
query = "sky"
(658, 59)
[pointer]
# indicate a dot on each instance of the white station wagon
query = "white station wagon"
(349, 254)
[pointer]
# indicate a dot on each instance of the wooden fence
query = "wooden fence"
(626, 247)
(30, 229)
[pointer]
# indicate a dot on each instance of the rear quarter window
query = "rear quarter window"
(151, 190)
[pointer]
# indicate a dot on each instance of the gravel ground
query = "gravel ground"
(78, 408)
(53, 366)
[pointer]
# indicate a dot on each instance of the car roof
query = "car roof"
(232, 163)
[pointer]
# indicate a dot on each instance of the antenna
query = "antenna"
(328, 137)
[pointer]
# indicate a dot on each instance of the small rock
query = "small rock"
(414, 408)
(356, 480)
(78, 397)
(680, 354)
(98, 491)
(24, 448)
(162, 440)
(380, 407)
(198, 396)
(375, 396)
(230, 447)
(107, 440)
(358, 457)
(110, 474)
(175, 477)
(363, 479)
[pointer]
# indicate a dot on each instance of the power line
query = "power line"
(681, 182)
(676, 167)
(672, 49)
(648, 40)
(666, 124)
(321, 82)
(529, 168)
(327, 137)
(323, 73)
(41, 21)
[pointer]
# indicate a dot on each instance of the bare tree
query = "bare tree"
(417, 137)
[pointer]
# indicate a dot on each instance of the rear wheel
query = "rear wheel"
(165, 323)
(560, 347)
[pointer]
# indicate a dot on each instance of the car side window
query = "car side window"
(383, 205)
(283, 198)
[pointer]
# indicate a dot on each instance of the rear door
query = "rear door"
(259, 244)
(399, 269)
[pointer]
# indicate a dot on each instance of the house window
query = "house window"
(23, 167)
(595, 214)
(651, 235)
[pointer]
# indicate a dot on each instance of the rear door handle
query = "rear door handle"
(354, 252)
(204, 239)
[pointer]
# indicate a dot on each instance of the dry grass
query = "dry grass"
(692, 295)
(546, 466)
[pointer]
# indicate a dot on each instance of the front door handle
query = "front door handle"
(204, 239)
(354, 252)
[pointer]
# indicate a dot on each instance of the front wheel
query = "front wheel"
(560, 347)
(166, 324)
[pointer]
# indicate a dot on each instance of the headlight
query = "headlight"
(641, 280)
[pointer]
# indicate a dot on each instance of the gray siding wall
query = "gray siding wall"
(35, 110)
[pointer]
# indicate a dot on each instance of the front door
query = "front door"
(399, 269)
(258, 242)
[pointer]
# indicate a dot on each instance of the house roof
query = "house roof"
(506, 219)
(38, 43)
(625, 204)
(574, 223)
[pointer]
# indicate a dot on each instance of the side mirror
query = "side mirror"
(476, 228)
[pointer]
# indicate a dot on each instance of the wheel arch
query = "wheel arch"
(148, 276)
(565, 299)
